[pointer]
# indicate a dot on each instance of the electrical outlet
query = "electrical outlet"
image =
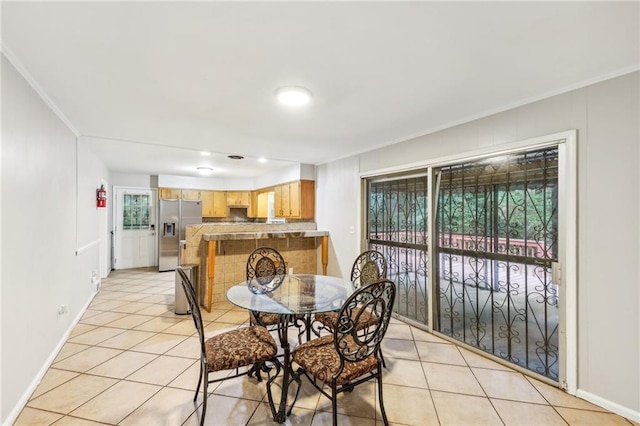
(95, 281)
(63, 309)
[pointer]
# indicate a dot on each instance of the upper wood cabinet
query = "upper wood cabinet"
(252, 210)
(295, 199)
(214, 203)
(259, 205)
(169, 193)
(191, 194)
(238, 198)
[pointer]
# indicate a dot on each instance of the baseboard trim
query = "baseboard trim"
(22, 402)
(611, 406)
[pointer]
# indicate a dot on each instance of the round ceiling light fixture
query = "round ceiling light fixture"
(293, 95)
(205, 170)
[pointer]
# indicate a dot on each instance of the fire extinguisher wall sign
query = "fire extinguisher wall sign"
(101, 196)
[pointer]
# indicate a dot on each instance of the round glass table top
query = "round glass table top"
(291, 294)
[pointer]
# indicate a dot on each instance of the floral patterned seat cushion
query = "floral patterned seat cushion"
(240, 347)
(320, 359)
(268, 319)
(329, 319)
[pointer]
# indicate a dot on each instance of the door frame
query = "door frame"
(567, 233)
(114, 217)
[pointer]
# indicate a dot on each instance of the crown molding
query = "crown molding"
(32, 82)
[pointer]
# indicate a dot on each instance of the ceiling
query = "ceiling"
(149, 85)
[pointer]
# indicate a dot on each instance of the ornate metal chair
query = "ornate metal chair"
(265, 263)
(368, 267)
(351, 355)
(242, 347)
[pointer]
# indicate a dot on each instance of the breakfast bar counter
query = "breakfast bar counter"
(262, 235)
(222, 250)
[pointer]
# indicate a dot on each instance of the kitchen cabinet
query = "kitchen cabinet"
(259, 205)
(191, 194)
(169, 193)
(238, 198)
(295, 199)
(252, 210)
(214, 203)
(281, 206)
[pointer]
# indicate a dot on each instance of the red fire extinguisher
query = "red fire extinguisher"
(102, 196)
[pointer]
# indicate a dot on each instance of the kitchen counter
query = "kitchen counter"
(263, 235)
(222, 249)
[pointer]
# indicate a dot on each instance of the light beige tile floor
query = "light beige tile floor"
(131, 361)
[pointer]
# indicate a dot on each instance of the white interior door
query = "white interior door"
(135, 228)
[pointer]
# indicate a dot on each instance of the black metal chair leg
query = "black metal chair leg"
(204, 401)
(384, 364)
(255, 369)
(384, 414)
(334, 405)
(199, 382)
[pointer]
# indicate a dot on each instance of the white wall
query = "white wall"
(171, 181)
(133, 180)
(606, 116)
(93, 227)
(49, 221)
(287, 174)
(338, 210)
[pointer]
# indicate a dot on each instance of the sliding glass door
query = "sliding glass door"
(397, 227)
(497, 224)
(495, 240)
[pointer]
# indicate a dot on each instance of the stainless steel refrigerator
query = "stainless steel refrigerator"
(175, 216)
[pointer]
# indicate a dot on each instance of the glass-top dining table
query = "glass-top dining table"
(295, 298)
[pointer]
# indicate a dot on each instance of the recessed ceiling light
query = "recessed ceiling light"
(205, 153)
(235, 157)
(293, 95)
(262, 160)
(205, 170)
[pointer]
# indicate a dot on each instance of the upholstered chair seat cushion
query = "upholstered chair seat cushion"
(329, 319)
(321, 360)
(272, 319)
(269, 319)
(238, 348)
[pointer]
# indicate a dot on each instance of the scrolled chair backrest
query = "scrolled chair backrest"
(363, 321)
(265, 263)
(368, 267)
(193, 307)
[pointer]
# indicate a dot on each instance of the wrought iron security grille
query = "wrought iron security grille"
(397, 227)
(497, 223)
